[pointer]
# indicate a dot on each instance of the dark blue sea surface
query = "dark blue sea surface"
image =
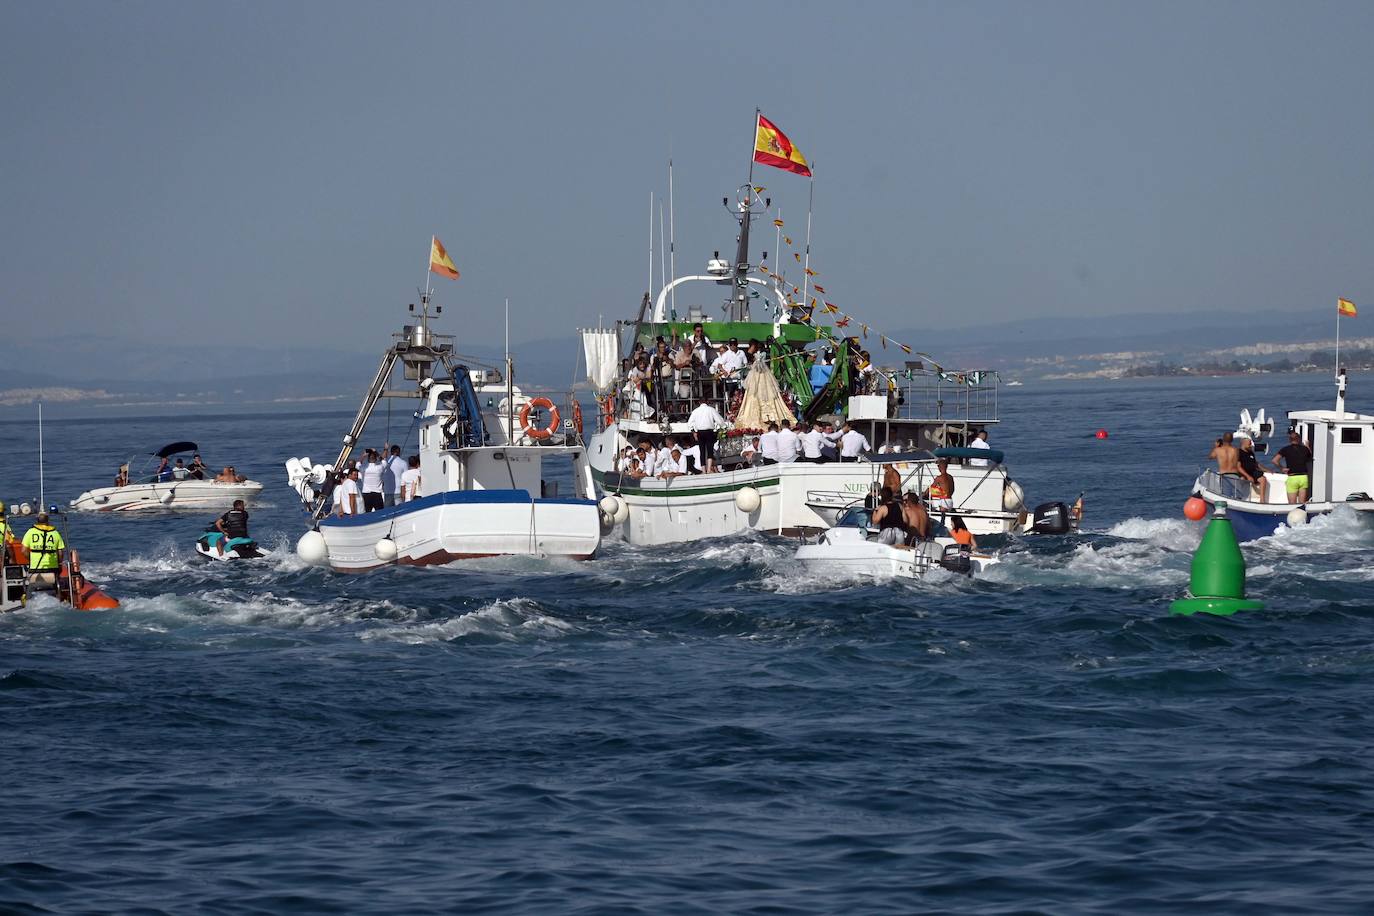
(703, 728)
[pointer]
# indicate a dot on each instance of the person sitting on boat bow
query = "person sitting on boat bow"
(122, 476)
(889, 519)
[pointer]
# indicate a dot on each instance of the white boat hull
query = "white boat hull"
(175, 494)
(794, 497)
(846, 551)
(462, 525)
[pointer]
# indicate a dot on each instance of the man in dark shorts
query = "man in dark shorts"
(1250, 467)
(1297, 464)
(232, 524)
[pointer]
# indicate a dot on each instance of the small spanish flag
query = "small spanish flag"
(771, 147)
(810, 272)
(817, 287)
(778, 223)
(439, 261)
(1345, 307)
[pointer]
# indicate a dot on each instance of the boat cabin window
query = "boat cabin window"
(1350, 435)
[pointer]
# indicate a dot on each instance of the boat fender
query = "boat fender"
(101, 500)
(1013, 497)
(747, 499)
(166, 498)
(386, 551)
(1296, 516)
(622, 510)
(1195, 509)
(609, 505)
(530, 431)
(577, 417)
(312, 549)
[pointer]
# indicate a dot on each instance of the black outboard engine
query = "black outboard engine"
(956, 559)
(1052, 518)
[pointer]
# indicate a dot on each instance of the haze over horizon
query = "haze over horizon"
(271, 173)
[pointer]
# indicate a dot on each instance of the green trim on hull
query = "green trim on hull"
(600, 478)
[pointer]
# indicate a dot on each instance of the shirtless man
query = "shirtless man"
(941, 489)
(916, 518)
(1228, 461)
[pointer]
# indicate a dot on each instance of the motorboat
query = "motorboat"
(914, 408)
(486, 451)
(1342, 473)
(851, 547)
(167, 487)
(68, 583)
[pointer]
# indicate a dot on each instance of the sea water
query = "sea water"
(702, 728)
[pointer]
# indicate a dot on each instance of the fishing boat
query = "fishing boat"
(167, 487)
(1342, 472)
(487, 452)
(797, 370)
(851, 547)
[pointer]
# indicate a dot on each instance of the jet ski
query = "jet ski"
(207, 545)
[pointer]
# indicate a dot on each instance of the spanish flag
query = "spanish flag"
(439, 261)
(1345, 307)
(771, 147)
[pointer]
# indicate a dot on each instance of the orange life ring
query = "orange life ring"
(525, 418)
(577, 417)
(608, 409)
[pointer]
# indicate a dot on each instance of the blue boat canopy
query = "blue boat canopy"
(176, 448)
(988, 454)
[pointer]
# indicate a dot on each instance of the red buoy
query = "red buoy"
(1101, 434)
(1195, 509)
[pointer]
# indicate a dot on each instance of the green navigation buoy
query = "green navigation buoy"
(1217, 585)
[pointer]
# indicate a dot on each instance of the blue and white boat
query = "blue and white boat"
(1342, 472)
(486, 454)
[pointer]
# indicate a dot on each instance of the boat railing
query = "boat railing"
(1227, 486)
(945, 395)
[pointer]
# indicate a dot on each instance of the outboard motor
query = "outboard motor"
(1051, 518)
(956, 559)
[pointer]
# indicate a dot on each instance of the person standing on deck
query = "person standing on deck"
(395, 470)
(768, 445)
(853, 444)
(372, 482)
(704, 421)
(45, 547)
(1297, 464)
(789, 446)
(979, 441)
(347, 499)
(940, 493)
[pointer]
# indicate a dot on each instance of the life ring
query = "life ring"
(525, 418)
(577, 417)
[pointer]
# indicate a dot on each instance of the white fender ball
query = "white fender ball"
(312, 549)
(622, 510)
(609, 505)
(1013, 497)
(385, 549)
(1296, 516)
(166, 498)
(747, 499)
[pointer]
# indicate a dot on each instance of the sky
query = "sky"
(253, 174)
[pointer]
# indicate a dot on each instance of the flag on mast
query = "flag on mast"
(1345, 307)
(771, 147)
(439, 261)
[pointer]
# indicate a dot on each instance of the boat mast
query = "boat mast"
(739, 303)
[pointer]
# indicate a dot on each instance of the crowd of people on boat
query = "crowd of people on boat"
(381, 479)
(1240, 465)
(170, 472)
(675, 373)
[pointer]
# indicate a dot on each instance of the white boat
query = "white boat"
(851, 548)
(172, 489)
(1342, 472)
(915, 408)
(484, 489)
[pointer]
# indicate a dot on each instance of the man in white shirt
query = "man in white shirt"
(789, 446)
(347, 501)
(979, 441)
(623, 464)
(372, 482)
(648, 457)
(673, 467)
(811, 442)
(768, 445)
(853, 444)
(750, 450)
(410, 481)
(729, 364)
(395, 470)
(704, 421)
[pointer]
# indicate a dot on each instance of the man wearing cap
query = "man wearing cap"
(45, 546)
